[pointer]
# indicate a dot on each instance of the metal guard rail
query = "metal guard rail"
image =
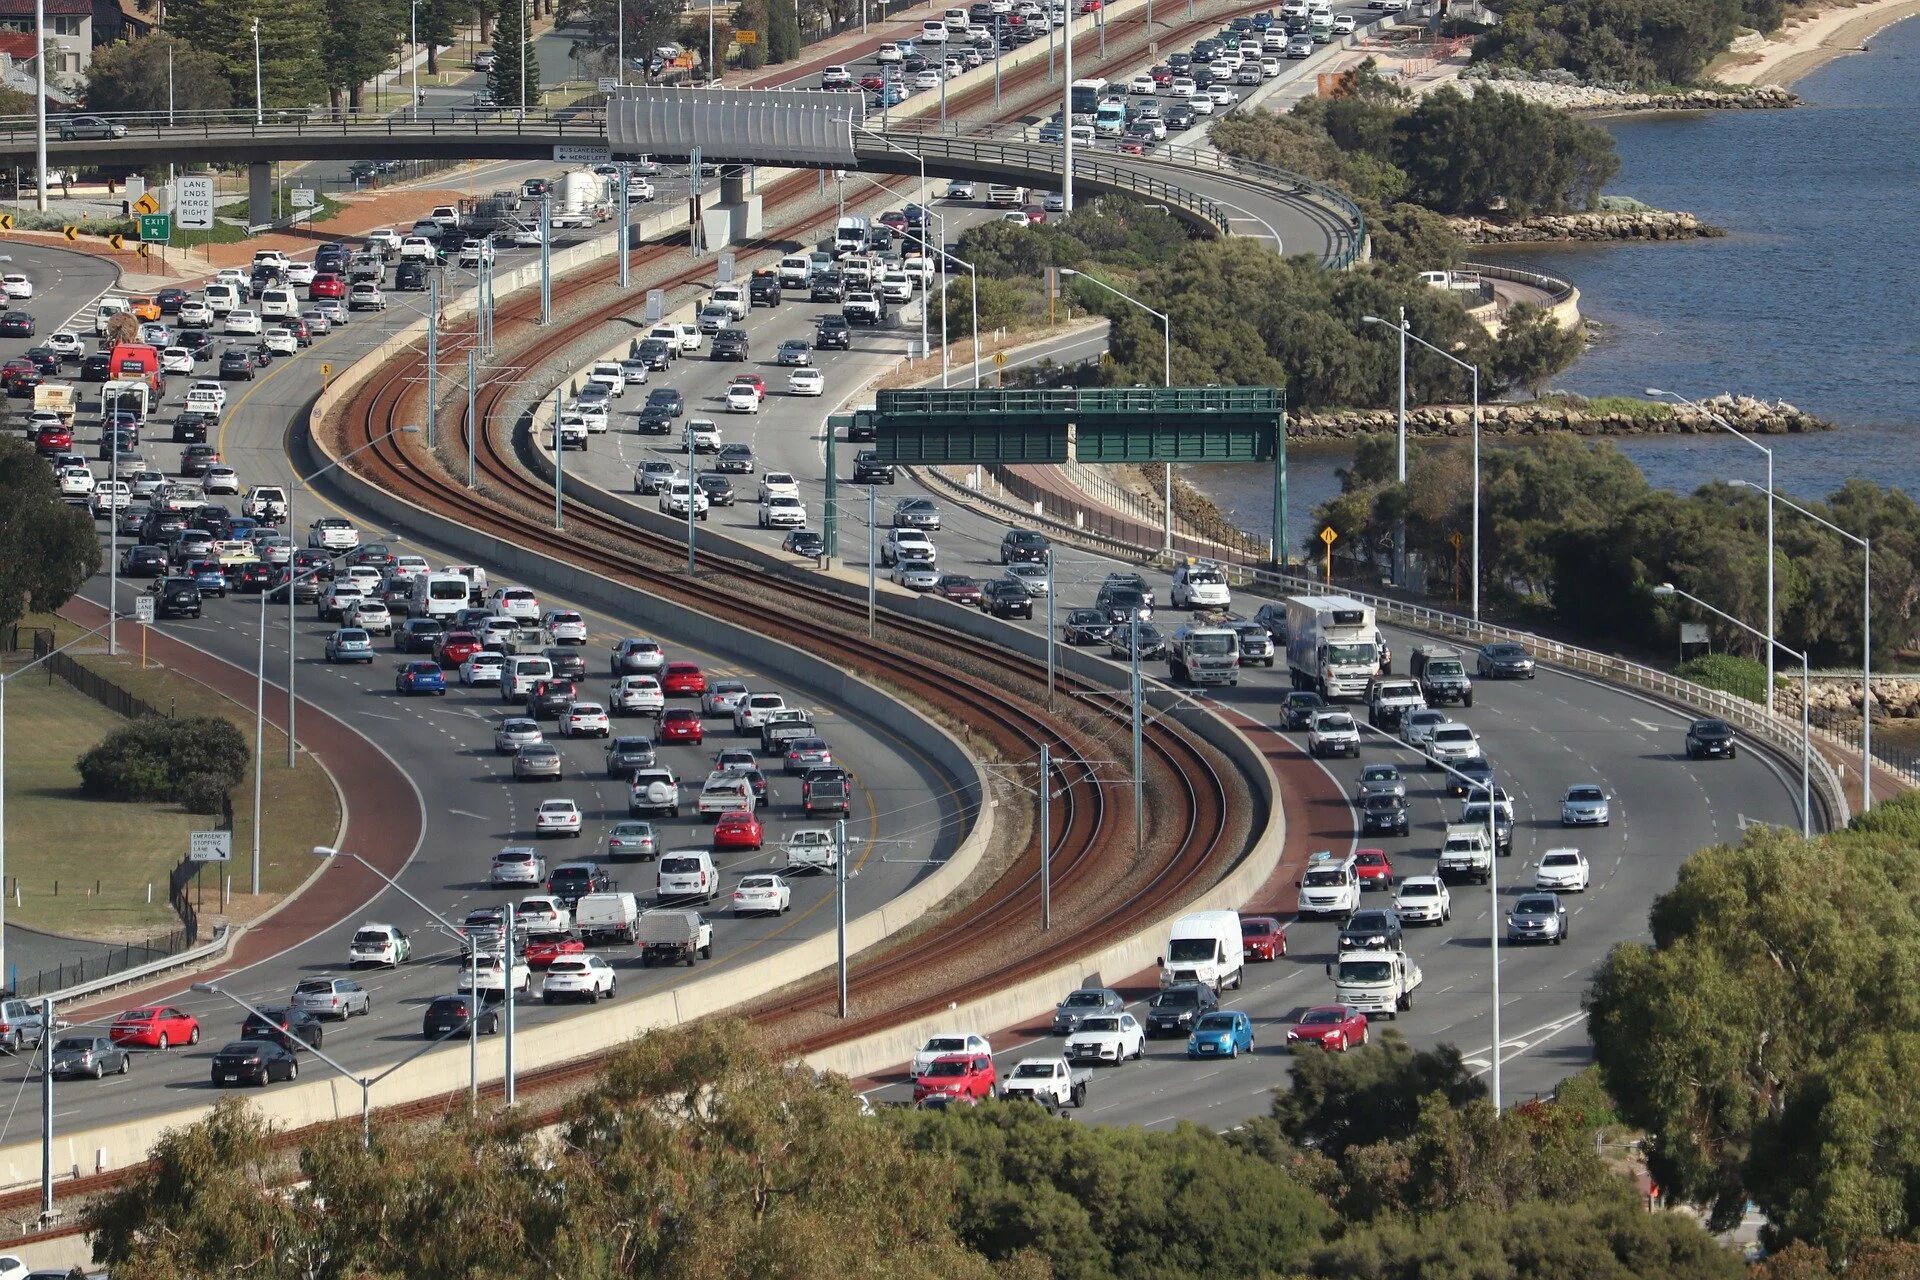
(1273, 175)
(1779, 732)
(587, 126)
(1558, 290)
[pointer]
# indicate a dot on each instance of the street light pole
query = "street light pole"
(1166, 370)
(413, 32)
(259, 100)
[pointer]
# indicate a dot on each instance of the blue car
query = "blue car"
(420, 677)
(210, 577)
(1224, 1033)
(349, 644)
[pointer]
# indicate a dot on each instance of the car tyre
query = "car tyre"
(293, 1072)
(193, 1037)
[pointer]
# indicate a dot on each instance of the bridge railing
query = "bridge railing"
(1286, 179)
(584, 123)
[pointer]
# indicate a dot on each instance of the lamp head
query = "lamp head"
(1068, 271)
(1371, 320)
(1655, 391)
(1664, 590)
(324, 851)
(206, 989)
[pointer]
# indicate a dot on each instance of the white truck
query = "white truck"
(1465, 853)
(1008, 197)
(600, 916)
(1332, 733)
(1379, 982)
(1053, 1081)
(1206, 947)
(1330, 645)
(812, 849)
(673, 937)
(1389, 702)
(796, 271)
(725, 792)
(582, 199)
(1203, 654)
(850, 233)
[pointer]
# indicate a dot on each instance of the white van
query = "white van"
(523, 672)
(476, 576)
(105, 310)
(278, 304)
(796, 271)
(1205, 946)
(600, 916)
(1330, 887)
(221, 297)
(439, 595)
(687, 874)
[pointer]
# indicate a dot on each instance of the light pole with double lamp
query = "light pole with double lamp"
(292, 550)
(1406, 332)
(1667, 589)
(1742, 436)
(1166, 380)
(1866, 640)
(922, 162)
(973, 279)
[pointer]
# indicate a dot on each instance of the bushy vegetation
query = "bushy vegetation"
(1572, 532)
(48, 548)
(1741, 677)
(193, 760)
(1648, 43)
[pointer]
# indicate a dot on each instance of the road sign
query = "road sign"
(1000, 359)
(70, 231)
(209, 846)
(155, 226)
(144, 249)
(193, 203)
(143, 610)
(1456, 538)
(567, 153)
(1327, 535)
(609, 83)
(746, 37)
(6, 222)
(326, 372)
(303, 197)
(146, 204)
(117, 240)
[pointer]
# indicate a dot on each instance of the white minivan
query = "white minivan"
(221, 297)
(523, 672)
(687, 874)
(278, 303)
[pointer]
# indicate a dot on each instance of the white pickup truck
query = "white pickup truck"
(672, 936)
(1465, 855)
(811, 849)
(1379, 982)
(1053, 1081)
(725, 792)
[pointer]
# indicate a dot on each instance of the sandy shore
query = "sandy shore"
(1809, 45)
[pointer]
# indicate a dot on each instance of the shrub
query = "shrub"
(194, 760)
(1742, 677)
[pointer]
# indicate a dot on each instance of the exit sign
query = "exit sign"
(155, 226)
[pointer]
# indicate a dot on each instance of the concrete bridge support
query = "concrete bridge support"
(259, 193)
(736, 215)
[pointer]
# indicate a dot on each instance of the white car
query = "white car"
(1107, 1037)
(557, 818)
(282, 342)
(300, 273)
(1423, 900)
(916, 575)
(586, 720)
(176, 360)
(582, 977)
(379, 944)
(491, 969)
(960, 189)
(76, 482)
(1453, 743)
(220, 480)
(638, 696)
(66, 344)
(110, 496)
(195, 311)
(16, 285)
(1029, 575)
(779, 512)
(1564, 870)
(341, 595)
(702, 435)
(1586, 804)
(543, 913)
(371, 615)
(517, 603)
(1344, 24)
(778, 484)
(243, 321)
(762, 894)
(409, 566)
(483, 668)
(517, 864)
(752, 711)
(366, 297)
(1333, 733)
(565, 626)
(209, 391)
(942, 1043)
(418, 249)
(675, 497)
(806, 382)
(1200, 104)
(1143, 85)
(742, 399)
(1223, 96)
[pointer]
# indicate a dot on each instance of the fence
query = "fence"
(102, 964)
(1142, 532)
(96, 686)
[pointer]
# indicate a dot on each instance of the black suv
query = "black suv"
(551, 698)
(763, 291)
(729, 344)
(828, 286)
(191, 428)
(1006, 599)
(1300, 706)
(236, 364)
(1376, 929)
(572, 881)
(656, 353)
(143, 561)
(447, 1017)
(179, 598)
(418, 635)
(1174, 1010)
(1710, 737)
(569, 661)
(1024, 546)
(868, 468)
(834, 334)
(1384, 815)
(410, 277)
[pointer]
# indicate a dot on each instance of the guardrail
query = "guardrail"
(1289, 181)
(1558, 289)
(583, 125)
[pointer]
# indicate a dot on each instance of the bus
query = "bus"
(1086, 98)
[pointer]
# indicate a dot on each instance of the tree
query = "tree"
(782, 35)
(754, 16)
(649, 23)
(195, 760)
(1644, 42)
(1412, 238)
(515, 78)
(1337, 1102)
(1532, 347)
(156, 73)
(365, 38)
(48, 548)
(1495, 151)
(291, 71)
(438, 25)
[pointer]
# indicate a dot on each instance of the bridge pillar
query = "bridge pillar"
(736, 215)
(259, 193)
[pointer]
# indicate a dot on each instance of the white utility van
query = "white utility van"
(439, 595)
(221, 298)
(523, 672)
(687, 874)
(601, 916)
(1205, 946)
(1330, 887)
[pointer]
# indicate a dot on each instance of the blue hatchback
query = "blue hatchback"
(210, 576)
(350, 644)
(1224, 1033)
(420, 677)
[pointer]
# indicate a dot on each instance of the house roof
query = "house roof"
(63, 8)
(17, 44)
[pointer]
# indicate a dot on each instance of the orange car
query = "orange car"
(144, 308)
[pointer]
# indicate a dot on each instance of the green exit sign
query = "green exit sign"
(155, 226)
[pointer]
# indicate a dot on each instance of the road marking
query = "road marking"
(1652, 727)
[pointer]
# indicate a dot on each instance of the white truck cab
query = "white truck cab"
(1330, 886)
(1379, 982)
(1206, 947)
(1465, 853)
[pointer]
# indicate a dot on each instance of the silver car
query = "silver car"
(537, 760)
(1537, 917)
(517, 864)
(1086, 1002)
(1382, 780)
(1417, 726)
(916, 513)
(94, 1056)
(916, 575)
(1585, 805)
(722, 696)
(515, 733)
(341, 998)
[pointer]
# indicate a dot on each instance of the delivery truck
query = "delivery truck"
(1331, 646)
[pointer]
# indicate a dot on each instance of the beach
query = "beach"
(1802, 47)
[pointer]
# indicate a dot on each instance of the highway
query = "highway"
(471, 808)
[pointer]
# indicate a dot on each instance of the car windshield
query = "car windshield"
(1216, 1022)
(315, 987)
(1320, 1017)
(1380, 773)
(1534, 907)
(1100, 1024)
(73, 1046)
(1358, 654)
(1370, 920)
(1323, 878)
(1414, 889)
(1187, 950)
(371, 937)
(679, 866)
(1211, 645)
(1033, 1071)
(1085, 1000)
(1176, 998)
(1585, 793)
(1453, 735)
(1383, 803)
(1561, 860)
(948, 1069)
(945, 1044)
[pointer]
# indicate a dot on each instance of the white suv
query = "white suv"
(582, 977)
(1333, 733)
(1200, 585)
(1452, 743)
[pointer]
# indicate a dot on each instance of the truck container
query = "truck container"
(1205, 946)
(1331, 645)
(600, 916)
(582, 199)
(57, 397)
(671, 936)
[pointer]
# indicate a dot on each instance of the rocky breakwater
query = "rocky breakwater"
(1568, 93)
(1559, 415)
(1547, 228)
(1837, 702)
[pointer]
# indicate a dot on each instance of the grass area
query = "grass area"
(64, 845)
(1741, 677)
(1624, 406)
(302, 806)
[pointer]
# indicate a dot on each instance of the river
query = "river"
(1802, 301)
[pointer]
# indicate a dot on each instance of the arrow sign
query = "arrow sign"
(116, 240)
(6, 222)
(70, 232)
(144, 250)
(1651, 727)
(146, 204)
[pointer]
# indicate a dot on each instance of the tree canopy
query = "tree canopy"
(516, 73)
(48, 548)
(1648, 43)
(156, 73)
(292, 70)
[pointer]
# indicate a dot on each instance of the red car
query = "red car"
(52, 440)
(738, 831)
(682, 724)
(683, 679)
(155, 1026)
(544, 948)
(959, 588)
(20, 376)
(1373, 868)
(873, 82)
(754, 380)
(326, 285)
(1036, 214)
(957, 1075)
(1162, 75)
(1262, 938)
(1329, 1026)
(456, 647)
(894, 220)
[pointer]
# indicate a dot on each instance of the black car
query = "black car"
(1173, 1010)
(624, 755)
(178, 598)
(1086, 626)
(569, 661)
(16, 324)
(1478, 775)
(410, 277)
(198, 343)
(807, 543)
(718, 488)
(763, 291)
(1300, 706)
(1504, 661)
(1024, 546)
(653, 421)
(252, 576)
(447, 1018)
(253, 1062)
(870, 468)
(1179, 116)
(833, 334)
(236, 366)
(1384, 815)
(279, 1024)
(1006, 598)
(96, 367)
(169, 300)
(157, 525)
(191, 428)
(1375, 929)
(827, 286)
(196, 458)
(418, 635)
(655, 352)
(729, 344)
(143, 562)
(573, 881)
(45, 359)
(1710, 737)
(1123, 604)
(735, 459)
(1274, 618)
(667, 400)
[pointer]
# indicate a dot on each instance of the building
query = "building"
(69, 35)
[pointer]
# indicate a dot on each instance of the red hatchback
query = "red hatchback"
(682, 724)
(155, 1026)
(738, 831)
(1262, 938)
(51, 440)
(1373, 868)
(456, 647)
(1329, 1026)
(544, 948)
(683, 679)
(326, 285)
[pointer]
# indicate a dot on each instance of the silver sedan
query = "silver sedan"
(536, 761)
(515, 733)
(1585, 805)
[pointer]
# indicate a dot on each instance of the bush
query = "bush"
(193, 760)
(1741, 677)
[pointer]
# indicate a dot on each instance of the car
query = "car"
(87, 1055)
(578, 977)
(1024, 546)
(1006, 598)
(557, 818)
(1416, 727)
(1711, 737)
(154, 1026)
(638, 655)
(1382, 778)
(1373, 868)
(1106, 1037)
(379, 944)
(794, 351)
(331, 533)
(916, 513)
(1174, 1010)
(543, 947)
(1537, 917)
(806, 382)
(1224, 1033)
(1262, 937)
(420, 677)
(682, 724)
(1469, 776)
(1423, 900)
(632, 839)
(95, 127)
(242, 321)
(349, 644)
(742, 399)
(1375, 929)
(1086, 1002)
(340, 998)
(1585, 805)
(1384, 814)
(258, 1062)
(739, 831)
(942, 1043)
(1563, 869)
(418, 635)
(539, 761)
(1344, 24)
(1333, 1028)
(735, 459)
(585, 720)
(453, 1015)
(1504, 661)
